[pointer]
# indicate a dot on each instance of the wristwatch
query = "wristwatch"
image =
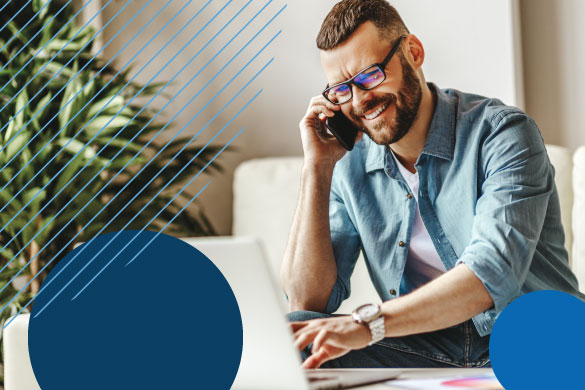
(371, 316)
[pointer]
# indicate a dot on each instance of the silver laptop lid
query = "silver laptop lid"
(269, 359)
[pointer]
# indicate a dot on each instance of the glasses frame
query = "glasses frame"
(381, 65)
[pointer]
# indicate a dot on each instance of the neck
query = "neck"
(411, 145)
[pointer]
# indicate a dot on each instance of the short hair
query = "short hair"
(347, 15)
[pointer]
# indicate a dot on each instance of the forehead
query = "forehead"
(363, 48)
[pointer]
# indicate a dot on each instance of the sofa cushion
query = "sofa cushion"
(561, 159)
(265, 197)
(579, 216)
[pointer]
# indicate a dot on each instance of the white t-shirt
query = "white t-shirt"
(423, 263)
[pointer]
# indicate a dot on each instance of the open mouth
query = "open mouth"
(376, 113)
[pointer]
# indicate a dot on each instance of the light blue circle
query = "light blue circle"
(538, 342)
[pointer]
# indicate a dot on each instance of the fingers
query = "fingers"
(305, 332)
(323, 337)
(331, 338)
(316, 359)
(295, 326)
(320, 107)
(318, 144)
(304, 338)
(324, 354)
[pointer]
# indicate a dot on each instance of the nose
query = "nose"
(360, 98)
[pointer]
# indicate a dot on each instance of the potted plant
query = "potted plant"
(18, 169)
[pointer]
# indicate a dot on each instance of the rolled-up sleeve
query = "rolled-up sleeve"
(518, 181)
(346, 247)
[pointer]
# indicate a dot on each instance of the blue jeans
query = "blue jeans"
(458, 346)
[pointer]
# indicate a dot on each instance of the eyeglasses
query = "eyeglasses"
(368, 78)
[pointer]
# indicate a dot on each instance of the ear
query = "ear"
(414, 51)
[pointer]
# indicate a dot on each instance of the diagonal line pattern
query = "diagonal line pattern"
(81, 130)
(160, 131)
(168, 183)
(53, 78)
(2, 9)
(62, 88)
(159, 212)
(138, 172)
(143, 108)
(166, 165)
(163, 208)
(91, 80)
(154, 197)
(14, 16)
(41, 30)
(32, 219)
(152, 119)
(180, 211)
(51, 40)
(23, 187)
(138, 153)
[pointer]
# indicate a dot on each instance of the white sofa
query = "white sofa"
(265, 195)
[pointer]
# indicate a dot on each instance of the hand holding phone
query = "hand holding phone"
(325, 143)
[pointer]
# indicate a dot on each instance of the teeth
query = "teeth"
(376, 113)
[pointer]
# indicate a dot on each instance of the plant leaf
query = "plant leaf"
(74, 147)
(106, 124)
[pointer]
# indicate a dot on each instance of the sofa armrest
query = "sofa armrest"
(579, 216)
(18, 373)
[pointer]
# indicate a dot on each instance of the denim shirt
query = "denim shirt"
(487, 197)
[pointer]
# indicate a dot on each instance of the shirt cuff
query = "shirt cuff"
(497, 277)
(338, 295)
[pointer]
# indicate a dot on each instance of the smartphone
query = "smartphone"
(343, 129)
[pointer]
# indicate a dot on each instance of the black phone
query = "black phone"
(343, 129)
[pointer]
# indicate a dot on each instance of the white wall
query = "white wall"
(469, 46)
(554, 57)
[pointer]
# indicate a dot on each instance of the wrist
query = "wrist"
(319, 167)
(371, 316)
(317, 176)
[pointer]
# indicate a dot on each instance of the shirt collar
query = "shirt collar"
(440, 140)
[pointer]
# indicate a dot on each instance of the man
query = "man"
(450, 196)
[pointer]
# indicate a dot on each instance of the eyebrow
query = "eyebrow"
(386, 60)
(353, 75)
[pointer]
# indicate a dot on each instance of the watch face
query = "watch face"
(368, 312)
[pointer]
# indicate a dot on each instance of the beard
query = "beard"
(406, 101)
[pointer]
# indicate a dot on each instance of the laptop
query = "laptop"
(269, 358)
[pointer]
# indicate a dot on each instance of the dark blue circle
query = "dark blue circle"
(167, 320)
(537, 342)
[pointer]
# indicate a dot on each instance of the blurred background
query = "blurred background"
(528, 53)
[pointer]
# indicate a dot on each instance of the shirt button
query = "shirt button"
(393, 292)
(401, 243)
(409, 196)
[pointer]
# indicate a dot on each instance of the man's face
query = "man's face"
(386, 112)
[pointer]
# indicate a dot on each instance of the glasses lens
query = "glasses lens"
(369, 78)
(339, 94)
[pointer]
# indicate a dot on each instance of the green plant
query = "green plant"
(190, 222)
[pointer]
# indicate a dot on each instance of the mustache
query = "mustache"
(370, 105)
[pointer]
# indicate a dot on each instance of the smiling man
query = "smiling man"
(450, 196)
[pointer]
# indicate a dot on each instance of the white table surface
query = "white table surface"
(427, 373)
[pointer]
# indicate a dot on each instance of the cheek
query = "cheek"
(391, 111)
(346, 110)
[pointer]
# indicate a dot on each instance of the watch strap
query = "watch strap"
(377, 330)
